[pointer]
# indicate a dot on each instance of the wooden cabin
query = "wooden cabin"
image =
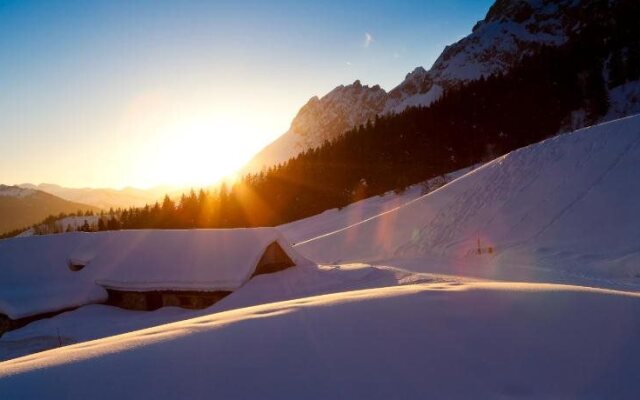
(136, 269)
(273, 259)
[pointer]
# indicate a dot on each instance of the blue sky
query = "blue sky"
(113, 85)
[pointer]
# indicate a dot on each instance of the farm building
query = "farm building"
(138, 269)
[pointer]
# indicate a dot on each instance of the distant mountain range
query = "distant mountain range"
(22, 207)
(106, 198)
(511, 30)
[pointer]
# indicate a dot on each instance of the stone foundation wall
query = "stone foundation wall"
(152, 300)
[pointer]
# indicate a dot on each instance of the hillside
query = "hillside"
(20, 208)
(106, 198)
(566, 203)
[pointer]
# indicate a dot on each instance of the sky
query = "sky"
(141, 93)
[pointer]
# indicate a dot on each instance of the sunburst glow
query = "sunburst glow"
(197, 151)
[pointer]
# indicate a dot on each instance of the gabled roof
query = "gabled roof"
(35, 273)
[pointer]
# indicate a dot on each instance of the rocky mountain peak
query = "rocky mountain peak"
(337, 111)
(517, 11)
(416, 73)
(511, 30)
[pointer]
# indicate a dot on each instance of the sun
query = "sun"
(197, 152)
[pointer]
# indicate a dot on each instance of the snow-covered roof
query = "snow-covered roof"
(35, 275)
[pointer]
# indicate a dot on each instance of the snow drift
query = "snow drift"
(440, 340)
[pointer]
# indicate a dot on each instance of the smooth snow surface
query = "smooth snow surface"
(35, 276)
(570, 203)
(439, 340)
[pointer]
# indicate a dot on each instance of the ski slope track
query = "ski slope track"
(569, 203)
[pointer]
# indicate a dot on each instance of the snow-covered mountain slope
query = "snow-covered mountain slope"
(503, 340)
(567, 203)
(324, 119)
(106, 198)
(22, 207)
(510, 31)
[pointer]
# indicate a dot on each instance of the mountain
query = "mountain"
(417, 89)
(20, 207)
(324, 119)
(105, 198)
(510, 31)
(455, 339)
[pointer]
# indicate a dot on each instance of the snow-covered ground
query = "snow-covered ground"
(433, 340)
(483, 288)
